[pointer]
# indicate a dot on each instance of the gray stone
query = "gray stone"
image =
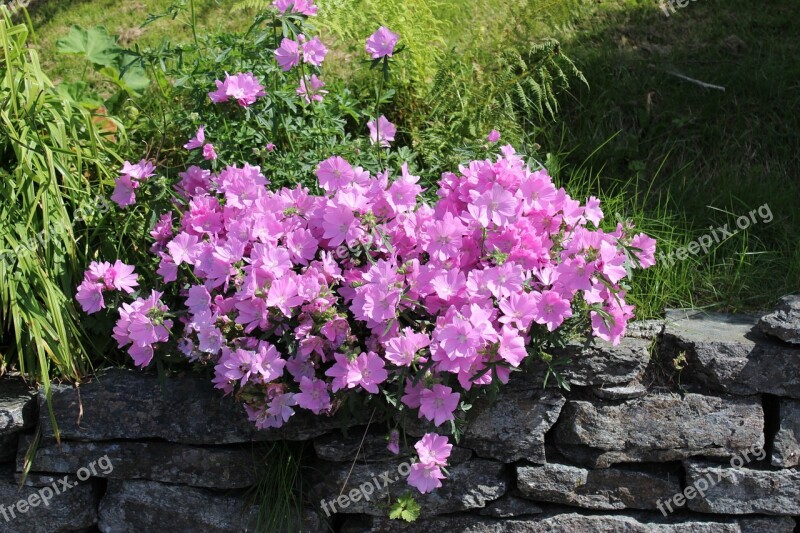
(470, 485)
(136, 506)
(17, 412)
(17, 406)
(337, 447)
(744, 490)
(212, 467)
(645, 329)
(514, 426)
(594, 363)
(728, 353)
(129, 404)
(340, 448)
(658, 428)
(510, 506)
(69, 510)
(784, 322)
(605, 489)
(625, 392)
(575, 522)
(786, 449)
(8, 446)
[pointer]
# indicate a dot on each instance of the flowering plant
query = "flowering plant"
(299, 299)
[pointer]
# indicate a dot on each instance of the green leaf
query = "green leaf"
(132, 82)
(95, 43)
(405, 508)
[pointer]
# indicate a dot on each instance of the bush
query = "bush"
(352, 291)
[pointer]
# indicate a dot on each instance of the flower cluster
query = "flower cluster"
(104, 277)
(131, 176)
(301, 298)
(433, 451)
(312, 52)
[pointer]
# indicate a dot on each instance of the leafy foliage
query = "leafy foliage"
(405, 508)
(101, 50)
(52, 158)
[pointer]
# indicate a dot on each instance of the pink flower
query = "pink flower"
(497, 205)
(313, 91)
(288, 54)
(123, 194)
(245, 89)
(592, 211)
(198, 140)
(271, 364)
(238, 365)
(184, 248)
(372, 372)
(512, 347)
(381, 43)
(162, 232)
(425, 478)
(413, 394)
(208, 152)
(122, 277)
(90, 296)
(433, 449)
(304, 7)
(340, 225)
(270, 147)
(242, 87)
(494, 136)
(314, 52)
(221, 94)
(138, 172)
(645, 250)
(402, 351)
(313, 395)
(341, 372)
(383, 131)
(438, 404)
(335, 173)
(283, 295)
(445, 237)
(551, 309)
(519, 310)
(142, 324)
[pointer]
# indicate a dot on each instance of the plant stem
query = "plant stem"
(384, 73)
(194, 23)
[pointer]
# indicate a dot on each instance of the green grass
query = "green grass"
(689, 157)
(53, 18)
(53, 158)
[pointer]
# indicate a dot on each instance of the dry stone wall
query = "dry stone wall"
(634, 446)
